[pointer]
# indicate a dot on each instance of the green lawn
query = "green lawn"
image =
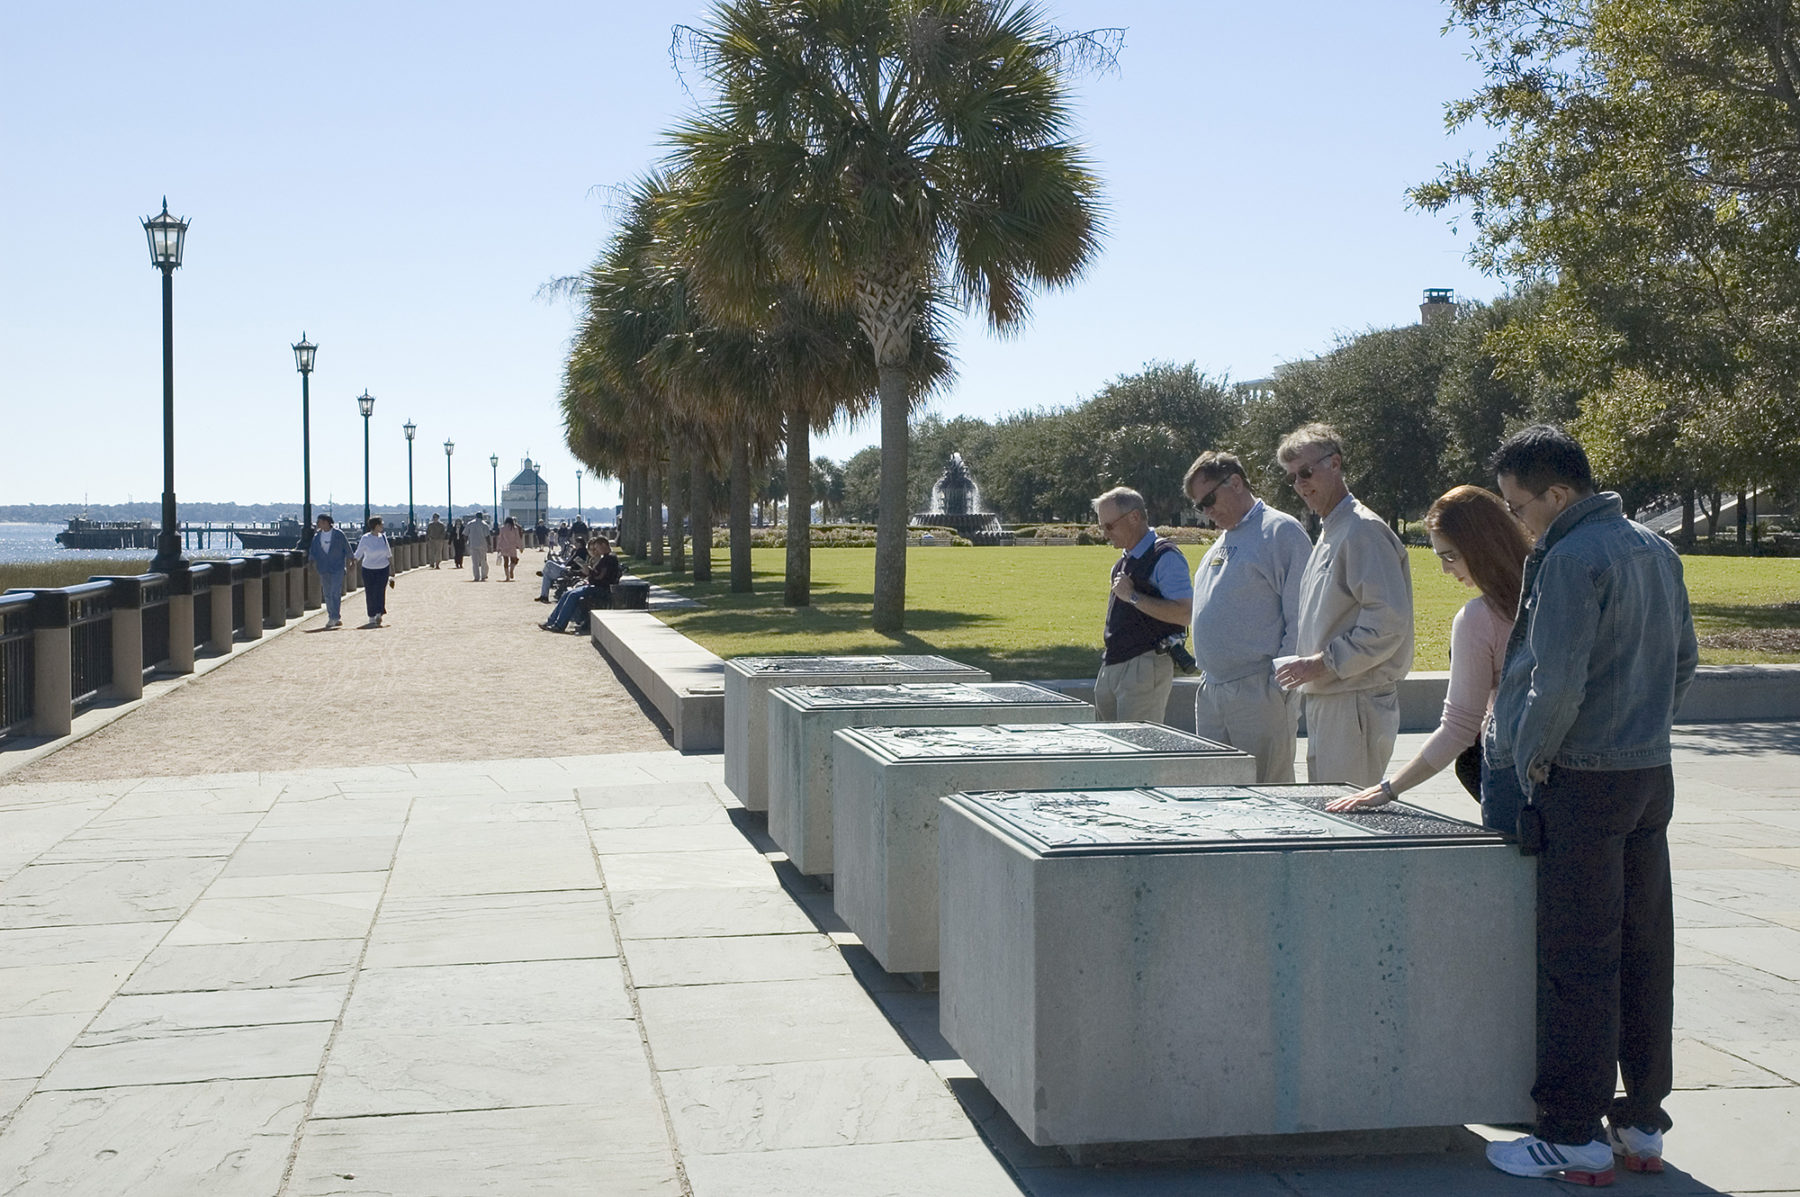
(1035, 612)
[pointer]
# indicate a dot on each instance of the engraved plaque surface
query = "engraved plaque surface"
(922, 694)
(878, 663)
(1136, 818)
(1004, 739)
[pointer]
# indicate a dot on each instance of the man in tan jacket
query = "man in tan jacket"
(1356, 620)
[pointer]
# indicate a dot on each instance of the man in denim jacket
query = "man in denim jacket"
(1596, 667)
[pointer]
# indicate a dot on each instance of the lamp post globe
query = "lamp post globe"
(578, 496)
(304, 353)
(449, 500)
(167, 238)
(494, 462)
(365, 403)
(412, 520)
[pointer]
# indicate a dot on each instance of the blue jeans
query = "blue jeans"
(331, 589)
(1501, 796)
(567, 607)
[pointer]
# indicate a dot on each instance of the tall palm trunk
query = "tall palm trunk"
(798, 591)
(678, 477)
(655, 496)
(890, 519)
(700, 504)
(741, 582)
(637, 525)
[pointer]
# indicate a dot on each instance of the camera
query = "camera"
(1175, 645)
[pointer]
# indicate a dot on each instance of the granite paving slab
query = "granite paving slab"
(132, 891)
(297, 885)
(553, 1151)
(330, 854)
(707, 869)
(959, 1167)
(219, 1139)
(176, 968)
(104, 1061)
(708, 911)
(81, 944)
(60, 988)
(30, 1044)
(764, 1022)
(595, 1063)
(605, 818)
(491, 929)
(159, 1013)
(469, 994)
(813, 1103)
(300, 916)
(715, 960)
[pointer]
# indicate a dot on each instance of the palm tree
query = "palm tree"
(891, 157)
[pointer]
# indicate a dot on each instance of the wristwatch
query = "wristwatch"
(1133, 599)
(1387, 787)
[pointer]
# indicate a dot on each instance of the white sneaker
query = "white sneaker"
(1641, 1147)
(1588, 1164)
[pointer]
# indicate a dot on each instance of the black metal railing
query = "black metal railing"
(202, 604)
(90, 640)
(153, 609)
(18, 664)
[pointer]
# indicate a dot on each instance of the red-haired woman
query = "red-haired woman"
(1481, 545)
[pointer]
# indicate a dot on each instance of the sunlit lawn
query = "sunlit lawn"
(1036, 612)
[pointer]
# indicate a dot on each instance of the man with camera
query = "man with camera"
(1146, 614)
(1246, 613)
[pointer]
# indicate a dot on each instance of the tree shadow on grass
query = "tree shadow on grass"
(1748, 615)
(1732, 739)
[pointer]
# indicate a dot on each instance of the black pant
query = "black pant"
(1606, 951)
(375, 589)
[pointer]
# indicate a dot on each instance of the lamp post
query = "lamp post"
(304, 353)
(412, 524)
(167, 236)
(365, 403)
(494, 461)
(578, 518)
(449, 503)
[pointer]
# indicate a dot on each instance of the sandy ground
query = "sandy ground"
(461, 672)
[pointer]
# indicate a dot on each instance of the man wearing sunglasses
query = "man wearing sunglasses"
(1596, 667)
(1151, 601)
(1356, 619)
(1246, 613)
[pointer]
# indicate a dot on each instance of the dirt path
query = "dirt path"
(461, 673)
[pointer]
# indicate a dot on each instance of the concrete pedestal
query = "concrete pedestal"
(748, 681)
(887, 782)
(803, 718)
(219, 640)
(181, 633)
(1148, 965)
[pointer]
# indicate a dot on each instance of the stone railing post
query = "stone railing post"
(181, 621)
(296, 583)
(315, 590)
(255, 569)
(219, 639)
(274, 589)
(127, 635)
(53, 646)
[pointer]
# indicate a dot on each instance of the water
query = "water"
(29, 544)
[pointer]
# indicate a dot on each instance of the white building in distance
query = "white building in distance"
(527, 497)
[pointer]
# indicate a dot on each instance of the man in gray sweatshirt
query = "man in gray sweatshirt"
(1246, 613)
(1356, 620)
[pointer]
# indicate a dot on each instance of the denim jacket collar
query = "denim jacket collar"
(1605, 503)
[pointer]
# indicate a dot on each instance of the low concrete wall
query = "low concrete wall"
(1720, 693)
(685, 682)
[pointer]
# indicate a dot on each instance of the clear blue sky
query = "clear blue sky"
(397, 180)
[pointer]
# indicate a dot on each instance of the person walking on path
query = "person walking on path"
(330, 555)
(459, 541)
(1151, 600)
(434, 541)
(1356, 619)
(1246, 613)
(377, 570)
(478, 533)
(1596, 667)
(510, 541)
(1480, 544)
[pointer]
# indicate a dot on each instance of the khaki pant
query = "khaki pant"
(434, 552)
(1350, 737)
(1134, 691)
(478, 560)
(1253, 715)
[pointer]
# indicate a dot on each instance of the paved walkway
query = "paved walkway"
(460, 673)
(592, 974)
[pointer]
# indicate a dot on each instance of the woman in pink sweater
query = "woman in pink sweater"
(1481, 545)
